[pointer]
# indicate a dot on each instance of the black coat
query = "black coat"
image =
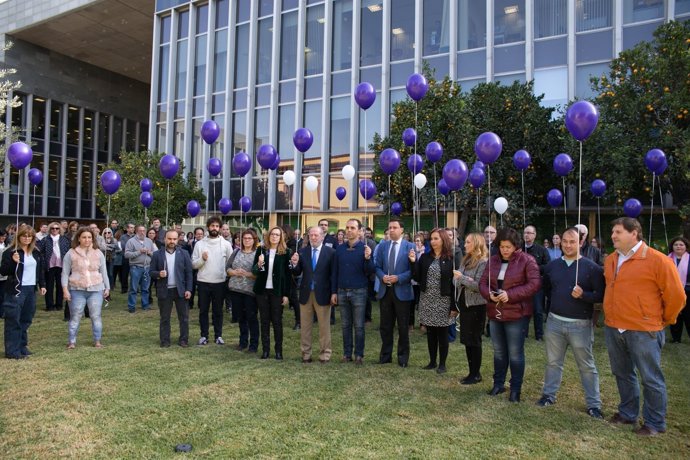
(420, 273)
(9, 268)
(323, 276)
(183, 272)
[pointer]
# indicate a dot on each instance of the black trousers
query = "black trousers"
(165, 307)
(124, 275)
(271, 312)
(211, 295)
(683, 320)
(54, 289)
(437, 340)
(394, 310)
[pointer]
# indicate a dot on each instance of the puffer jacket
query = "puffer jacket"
(521, 282)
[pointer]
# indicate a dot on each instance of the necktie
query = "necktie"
(313, 266)
(391, 258)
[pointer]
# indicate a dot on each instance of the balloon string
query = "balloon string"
(414, 189)
(524, 218)
(488, 181)
(435, 195)
(651, 209)
(263, 211)
(579, 209)
(476, 221)
(565, 209)
(33, 212)
(663, 216)
(364, 158)
(599, 223)
(167, 206)
(554, 221)
(389, 199)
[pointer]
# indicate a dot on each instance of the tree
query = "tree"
(643, 102)
(455, 119)
(125, 205)
(6, 86)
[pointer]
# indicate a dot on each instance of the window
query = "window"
(471, 24)
(342, 35)
(593, 14)
(509, 21)
(550, 18)
(435, 27)
(402, 30)
(371, 32)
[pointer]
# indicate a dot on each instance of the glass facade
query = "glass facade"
(263, 68)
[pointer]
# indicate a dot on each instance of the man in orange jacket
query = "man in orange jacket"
(643, 295)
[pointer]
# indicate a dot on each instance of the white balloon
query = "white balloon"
(501, 205)
(289, 177)
(312, 183)
(420, 181)
(348, 172)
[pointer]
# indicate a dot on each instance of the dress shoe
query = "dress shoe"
(514, 396)
(20, 356)
(239, 347)
(496, 390)
(297, 327)
(618, 419)
(429, 366)
(264, 355)
(471, 379)
(385, 361)
(26, 352)
(306, 361)
(165, 344)
(279, 356)
(184, 344)
(441, 369)
(646, 430)
(346, 359)
(359, 361)
(402, 364)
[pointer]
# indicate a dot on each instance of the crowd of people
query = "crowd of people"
(497, 283)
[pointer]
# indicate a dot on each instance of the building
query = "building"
(103, 75)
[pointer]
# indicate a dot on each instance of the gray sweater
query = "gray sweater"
(470, 281)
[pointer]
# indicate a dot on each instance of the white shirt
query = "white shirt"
(395, 248)
(29, 273)
(623, 257)
(269, 275)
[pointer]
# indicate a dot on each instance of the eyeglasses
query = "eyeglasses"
(276, 234)
(55, 228)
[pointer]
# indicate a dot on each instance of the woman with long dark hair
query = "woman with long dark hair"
(271, 268)
(434, 273)
(23, 265)
(241, 287)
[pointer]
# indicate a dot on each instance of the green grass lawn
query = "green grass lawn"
(133, 399)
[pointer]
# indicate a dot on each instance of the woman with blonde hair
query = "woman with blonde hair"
(471, 304)
(271, 268)
(23, 265)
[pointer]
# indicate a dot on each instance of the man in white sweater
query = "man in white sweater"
(209, 257)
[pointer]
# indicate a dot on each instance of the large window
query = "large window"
(342, 35)
(288, 46)
(509, 21)
(340, 133)
(313, 51)
(312, 120)
(550, 18)
(402, 30)
(242, 56)
(593, 14)
(642, 10)
(264, 56)
(436, 25)
(682, 7)
(549, 82)
(471, 24)
(371, 32)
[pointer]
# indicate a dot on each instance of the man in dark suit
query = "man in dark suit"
(172, 271)
(316, 264)
(395, 291)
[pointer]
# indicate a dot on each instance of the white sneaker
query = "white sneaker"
(220, 341)
(203, 341)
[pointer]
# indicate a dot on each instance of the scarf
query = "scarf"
(682, 266)
(56, 245)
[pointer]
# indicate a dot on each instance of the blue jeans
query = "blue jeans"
(352, 304)
(139, 280)
(579, 335)
(642, 351)
(19, 310)
(508, 339)
(80, 300)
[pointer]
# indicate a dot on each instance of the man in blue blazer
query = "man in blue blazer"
(316, 263)
(171, 269)
(394, 291)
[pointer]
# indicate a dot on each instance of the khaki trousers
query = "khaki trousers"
(323, 315)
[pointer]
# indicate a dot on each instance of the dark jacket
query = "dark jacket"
(46, 248)
(323, 276)
(420, 273)
(183, 272)
(9, 268)
(281, 273)
(540, 254)
(559, 280)
(594, 254)
(521, 282)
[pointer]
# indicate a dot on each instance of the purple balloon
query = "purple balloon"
(365, 95)
(433, 151)
(522, 160)
(581, 119)
(417, 86)
(146, 185)
(654, 159)
(303, 139)
(20, 155)
(367, 189)
(276, 163)
(443, 188)
(193, 208)
(477, 177)
(632, 207)
(241, 163)
(35, 176)
(415, 163)
(409, 137)
(598, 188)
(488, 147)
(662, 167)
(110, 181)
(455, 173)
(245, 204)
(480, 165)
(146, 199)
(396, 209)
(214, 166)
(210, 132)
(340, 193)
(168, 166)
(266, 156)
(389, 161)
(554, 197)
(225, 205)
(562, 164)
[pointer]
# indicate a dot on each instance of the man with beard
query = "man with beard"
(209, 258)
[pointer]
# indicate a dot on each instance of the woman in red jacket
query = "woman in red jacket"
(508, 284)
